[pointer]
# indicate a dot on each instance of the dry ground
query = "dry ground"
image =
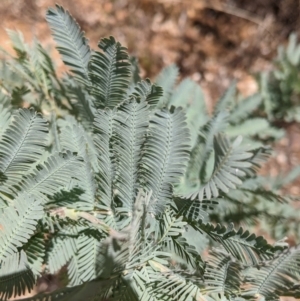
(212, 41)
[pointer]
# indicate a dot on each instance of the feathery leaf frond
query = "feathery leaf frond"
(165, 156)
(5, 114)
(88, 248)
(18, 43)
(71, 42)
(201, 153)
(63, 249)
(172, 229)
(104, 130)
(222, 274)
(109, 72)
(75, 139)
(229, 160)
(18, 223)
(173, 285)
(167, 80)
(22, 143)
(226, 101)
(244, 108)
(15, 276)
(131, 123)
(53, 175)
(248, 248)
(35, 250)
(273, 278)
(190, 96)
(149, 92)
(82, 103)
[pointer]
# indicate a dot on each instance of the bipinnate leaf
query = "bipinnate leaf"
(71, 42)
(16, 278)
(149, 92)
(230, 160)
(22, 143)
(130, 123)
(222, 273)
(167, 80)
(18, 223)
(226, 101)
(247, 248)
(274, 278)
(165, 155)
(52, 175)
(104, 130)
(63, 249)
(109, 72)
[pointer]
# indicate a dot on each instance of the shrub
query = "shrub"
(117, 182)
(281, 87)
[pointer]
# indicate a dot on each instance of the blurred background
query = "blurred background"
(212, 41)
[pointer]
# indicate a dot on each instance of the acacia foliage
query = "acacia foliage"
(116, 180)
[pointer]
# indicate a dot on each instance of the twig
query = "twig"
(225, 8)
(235, 11)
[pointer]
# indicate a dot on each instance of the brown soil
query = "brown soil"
(211, 41)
